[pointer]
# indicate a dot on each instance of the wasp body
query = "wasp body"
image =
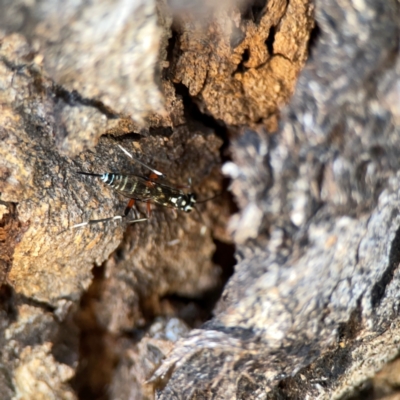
(149, 190)
(145, 189)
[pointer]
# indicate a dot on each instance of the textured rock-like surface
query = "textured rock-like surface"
(46, 266)
(105, 51)
(312, 309)
(241, 62)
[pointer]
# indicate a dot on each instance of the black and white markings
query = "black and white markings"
(152, 189)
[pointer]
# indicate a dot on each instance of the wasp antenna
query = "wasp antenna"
(96, 221)
(137, 220)
(210, 198)
(88, 173)
(204, 227)
(142, 164)
(198, 212)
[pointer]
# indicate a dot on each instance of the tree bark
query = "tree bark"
(118, 311)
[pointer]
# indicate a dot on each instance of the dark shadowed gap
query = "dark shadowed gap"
(241, 68)
(198, 309)
(74, 98)
(8, 309)
(195, 311)
(365, 391)
(172, 49)
(253, 10)
(96, 359)
(314, 37)
(269, 42)
(224, 256)
(22, 299)
(131, 137)
(350, 329)
(193, 112)
(379, 288)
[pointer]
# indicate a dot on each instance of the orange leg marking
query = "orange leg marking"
(150, 180)
(153, 177)
(129, 206)
(148, 209)
(183, 186)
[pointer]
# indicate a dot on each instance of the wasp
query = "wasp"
(145, 189)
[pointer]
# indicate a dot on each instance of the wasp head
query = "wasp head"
(186, 202)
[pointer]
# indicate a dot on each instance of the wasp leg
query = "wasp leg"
(126, 212)
(128, 208)
(174, 213)
(96, 221)
(148, 209)
(152, 177)
(188, 186)
(183, 186)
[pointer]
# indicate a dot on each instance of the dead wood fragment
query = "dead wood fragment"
(312, 308)
(240, 64)
(51, 265)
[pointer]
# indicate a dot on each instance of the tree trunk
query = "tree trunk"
(118, 310)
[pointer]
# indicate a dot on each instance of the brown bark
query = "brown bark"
(312, 307)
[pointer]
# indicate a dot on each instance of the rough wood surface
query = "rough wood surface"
(241, 63)
(312, 308)
(113, 311)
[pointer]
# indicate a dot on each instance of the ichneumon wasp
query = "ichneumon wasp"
(140, 188)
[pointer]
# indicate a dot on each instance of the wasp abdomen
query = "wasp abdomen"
(129, 185)
(116, 181)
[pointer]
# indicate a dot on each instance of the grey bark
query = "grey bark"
(312, 309)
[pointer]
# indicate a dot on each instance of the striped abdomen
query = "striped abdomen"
(139, 188)
(128, 185)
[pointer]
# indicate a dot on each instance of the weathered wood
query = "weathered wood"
(46, 266)
(312, 308)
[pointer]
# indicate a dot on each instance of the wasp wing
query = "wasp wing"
(142, 189)
(133, 186)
